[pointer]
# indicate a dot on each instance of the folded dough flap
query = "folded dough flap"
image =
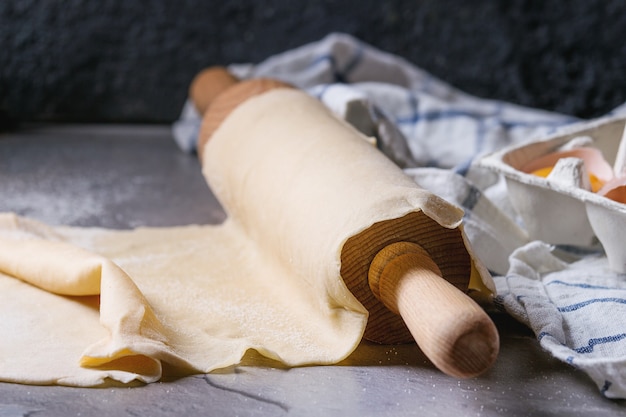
(133, 342)
(54, 266)
(322, 200)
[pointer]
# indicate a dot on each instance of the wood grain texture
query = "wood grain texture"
(449, 327)
(228, 100)
(445, 246)
(207, 85)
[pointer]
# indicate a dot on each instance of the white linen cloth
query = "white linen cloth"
(436, 133)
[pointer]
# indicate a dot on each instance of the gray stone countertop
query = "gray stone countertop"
(129, 176)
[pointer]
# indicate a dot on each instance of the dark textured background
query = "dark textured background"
(132, 61)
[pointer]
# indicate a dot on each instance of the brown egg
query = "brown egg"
(615, 190)
(207, 85)
(617, 194)
(227, 101)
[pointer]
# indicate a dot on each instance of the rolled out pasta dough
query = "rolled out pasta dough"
(296, 183)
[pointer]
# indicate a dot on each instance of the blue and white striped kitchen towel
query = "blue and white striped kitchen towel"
(435, 132)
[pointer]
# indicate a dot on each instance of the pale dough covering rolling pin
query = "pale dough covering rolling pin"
(310, 203)
(311, 187)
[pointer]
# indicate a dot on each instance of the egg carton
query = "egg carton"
(569, 187)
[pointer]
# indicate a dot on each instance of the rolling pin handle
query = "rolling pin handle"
(452, 330)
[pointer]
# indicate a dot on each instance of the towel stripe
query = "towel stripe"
(605, 387)
(580, 305)
(584, 286)
(472, 198)
(435, 115)
(600, 341)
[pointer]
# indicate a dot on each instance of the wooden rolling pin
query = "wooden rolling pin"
(450, 328)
